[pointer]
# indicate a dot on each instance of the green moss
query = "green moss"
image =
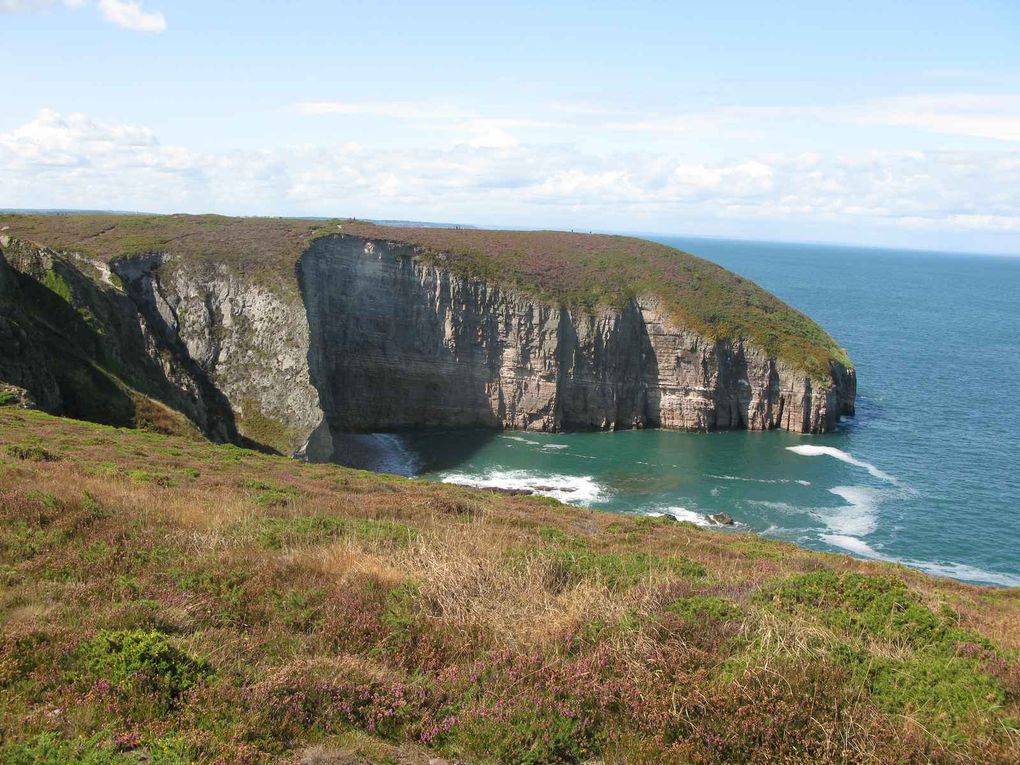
(58, 285)
(9, 399)
(147, 476)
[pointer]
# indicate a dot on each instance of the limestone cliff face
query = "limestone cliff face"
(397, 343)
(370, 337)
(248, 340)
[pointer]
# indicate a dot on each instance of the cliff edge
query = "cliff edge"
(281, 332)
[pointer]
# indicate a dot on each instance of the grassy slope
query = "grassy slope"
(578, 269)
(175, 600)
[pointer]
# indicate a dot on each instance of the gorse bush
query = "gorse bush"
(138, 659)
(879, 606)
(617, 571)
(30, 453)
(278, 533)
(53, 749)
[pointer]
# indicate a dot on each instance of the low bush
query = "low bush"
(140, 660)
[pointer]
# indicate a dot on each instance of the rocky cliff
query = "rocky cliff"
(367, 333)
(397, 343)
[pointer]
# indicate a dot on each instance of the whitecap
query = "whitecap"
(522, 440)
(683, 514)
(578, 490)
(804, 483)
(555, 446)
(853, 544)
(749, 480)
(811, 450)
(965, 572)
(858, 517)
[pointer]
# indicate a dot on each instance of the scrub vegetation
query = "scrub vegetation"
(582, 270)
(167, 600)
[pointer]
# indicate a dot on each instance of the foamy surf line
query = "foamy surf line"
(575, 490)
(960, 571)
(810, 450)
(681, 514)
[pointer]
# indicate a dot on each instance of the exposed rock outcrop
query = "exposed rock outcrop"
(372, 337)
(397, 343)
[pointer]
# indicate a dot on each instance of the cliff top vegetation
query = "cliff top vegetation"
(588, 270)
(167, 600)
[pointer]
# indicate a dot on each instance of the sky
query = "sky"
(869, 123)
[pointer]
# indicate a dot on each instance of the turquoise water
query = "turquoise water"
(928, 473)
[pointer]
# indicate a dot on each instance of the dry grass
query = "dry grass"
(346, 614)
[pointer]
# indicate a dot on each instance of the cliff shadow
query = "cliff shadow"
(393, 348)
(208, 407)
(609, 372)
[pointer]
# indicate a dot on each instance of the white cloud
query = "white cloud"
(401, 110)
(27, 6)
(994, 116)
(129, 15)
(124, 13)
(71, 160)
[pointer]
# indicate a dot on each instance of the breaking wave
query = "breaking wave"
(576, 490)
(810, 450)
(681, 514)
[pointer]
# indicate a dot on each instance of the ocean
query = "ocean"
(927, 473)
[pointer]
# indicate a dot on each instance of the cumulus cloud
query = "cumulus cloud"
(126, 14)
(72, 160)
(129, 15)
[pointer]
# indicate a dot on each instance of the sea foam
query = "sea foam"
(852, 544)
(858, 517)
(683, 514)
(577, 490)
(810, 450)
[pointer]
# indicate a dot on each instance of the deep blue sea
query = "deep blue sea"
(928, 473)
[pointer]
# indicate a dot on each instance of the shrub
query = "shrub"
(701, 608)
(131, 659)
(617, 570)
(31, 453)
(278, 533)
(52, 749)
(873, 605)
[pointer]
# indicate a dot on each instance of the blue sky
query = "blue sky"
(866, 123)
